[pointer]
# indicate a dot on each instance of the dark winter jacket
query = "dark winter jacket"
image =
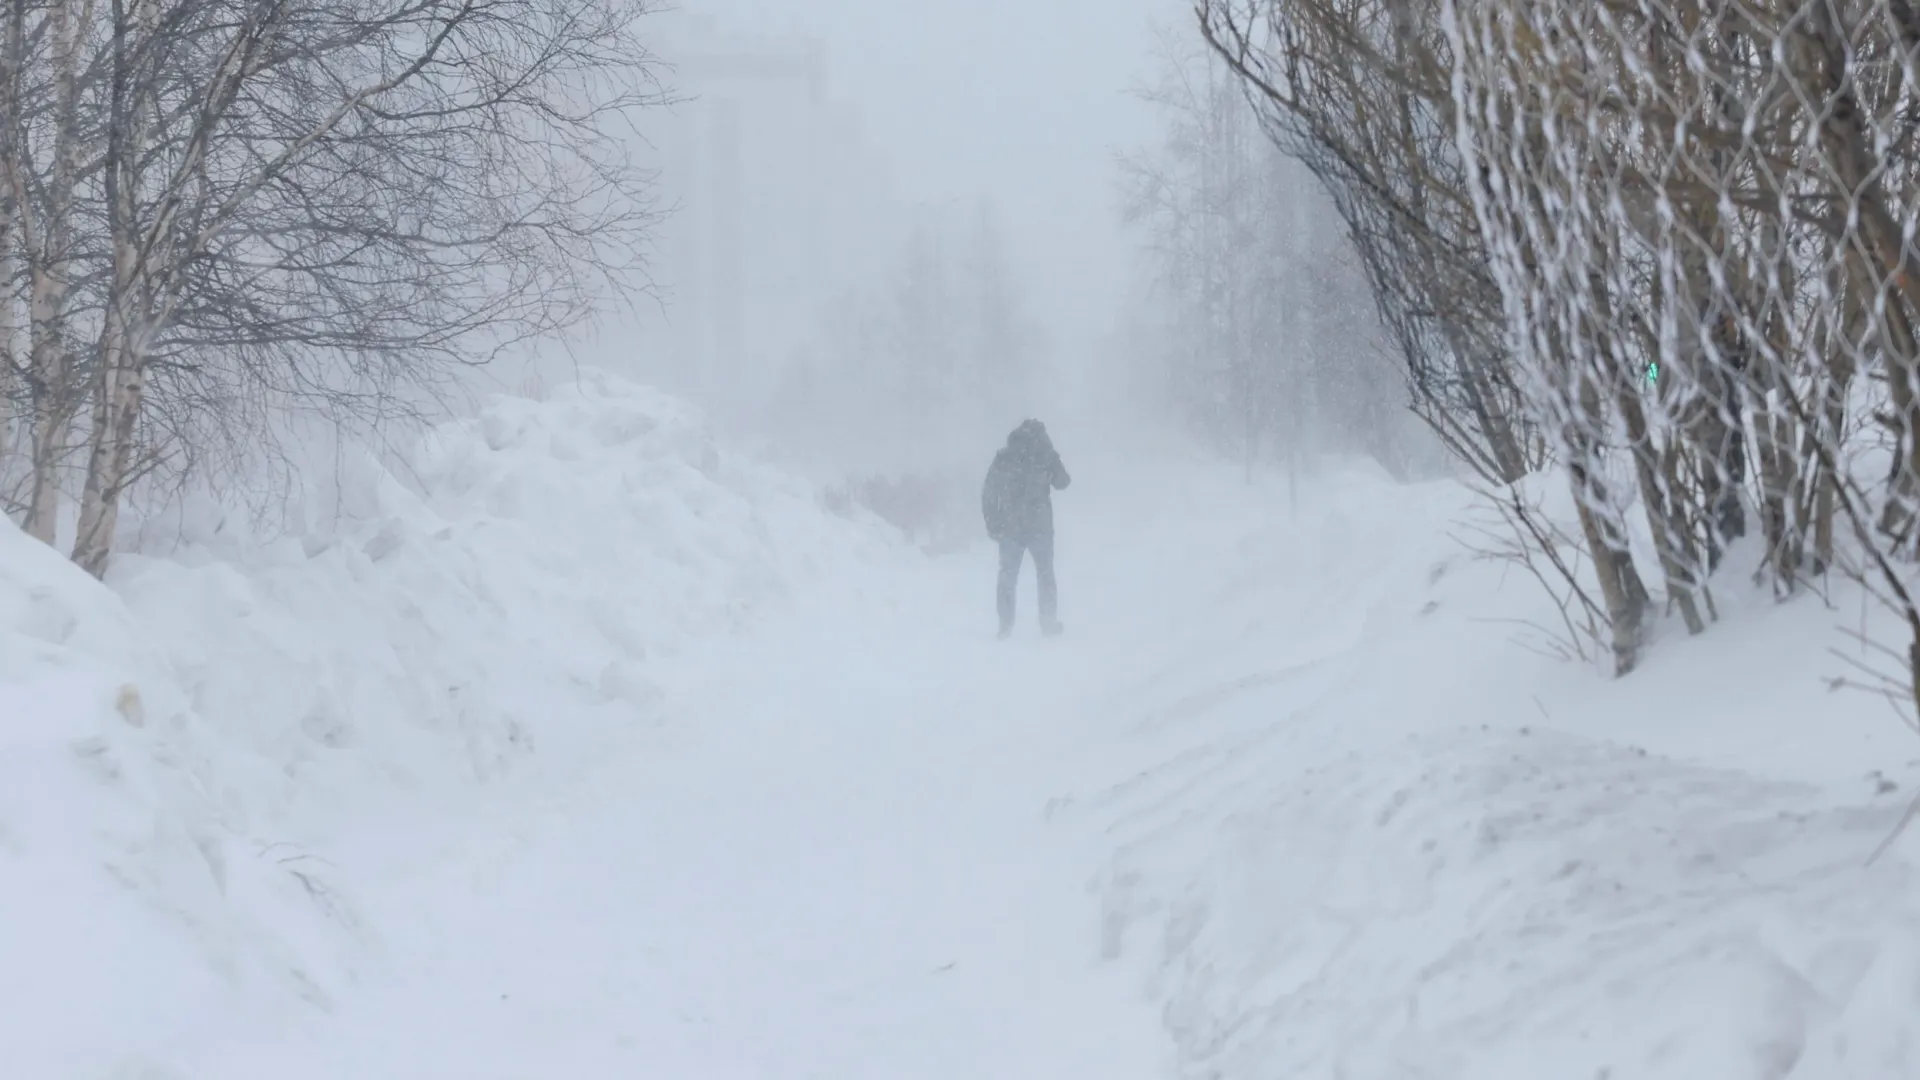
(1017, 500)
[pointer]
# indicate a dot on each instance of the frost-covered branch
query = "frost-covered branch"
(1692, 210)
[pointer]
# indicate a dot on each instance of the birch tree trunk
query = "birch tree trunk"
(12, 362)
(119, 383)
(117, 401)
(50, 377)
(16, 239)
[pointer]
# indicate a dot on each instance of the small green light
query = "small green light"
(1653, 372)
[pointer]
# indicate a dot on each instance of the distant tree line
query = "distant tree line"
(907, 371)
(1267, 339)
(898, 397)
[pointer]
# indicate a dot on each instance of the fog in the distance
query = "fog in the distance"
(891, 231)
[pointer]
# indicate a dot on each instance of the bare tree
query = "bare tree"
(1200, 199)
(919, 364)
(1694, 210)
(1358, 90)
(45, 71)
(1269, 357)
(288, 205)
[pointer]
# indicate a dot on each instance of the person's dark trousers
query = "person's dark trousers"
(1012, 553)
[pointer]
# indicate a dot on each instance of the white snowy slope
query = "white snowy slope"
(1357, 832)
(205, 769)
(133, 897)
(731, 788)
(491, 612)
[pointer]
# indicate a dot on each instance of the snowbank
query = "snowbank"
(496, 611)
(1364, 832)
(190, 757)
(134, 896)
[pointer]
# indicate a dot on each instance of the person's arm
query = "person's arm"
(1060, 479)
(990, 501)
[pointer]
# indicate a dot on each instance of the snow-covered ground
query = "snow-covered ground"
(1368, 836)
(593, 751)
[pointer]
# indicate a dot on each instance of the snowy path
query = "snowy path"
(834, 862)
(1287, 778)
(1287, 801)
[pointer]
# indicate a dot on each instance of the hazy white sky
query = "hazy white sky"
(1024, 100)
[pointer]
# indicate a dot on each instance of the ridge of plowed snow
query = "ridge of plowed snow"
(133, 893)
(184, 755)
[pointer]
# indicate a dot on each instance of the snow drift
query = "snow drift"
(134, 890)
(495, 610)
(1364, 833)
(1336, 818)
(191, 755)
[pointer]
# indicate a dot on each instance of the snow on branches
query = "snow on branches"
(1694, 210)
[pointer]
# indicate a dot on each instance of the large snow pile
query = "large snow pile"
(1365, 833)
(190, 756)
(134, 894)
(498, 609)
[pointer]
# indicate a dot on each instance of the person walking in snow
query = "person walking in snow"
(1017, 501)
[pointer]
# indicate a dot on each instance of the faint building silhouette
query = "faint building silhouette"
(776, 204)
